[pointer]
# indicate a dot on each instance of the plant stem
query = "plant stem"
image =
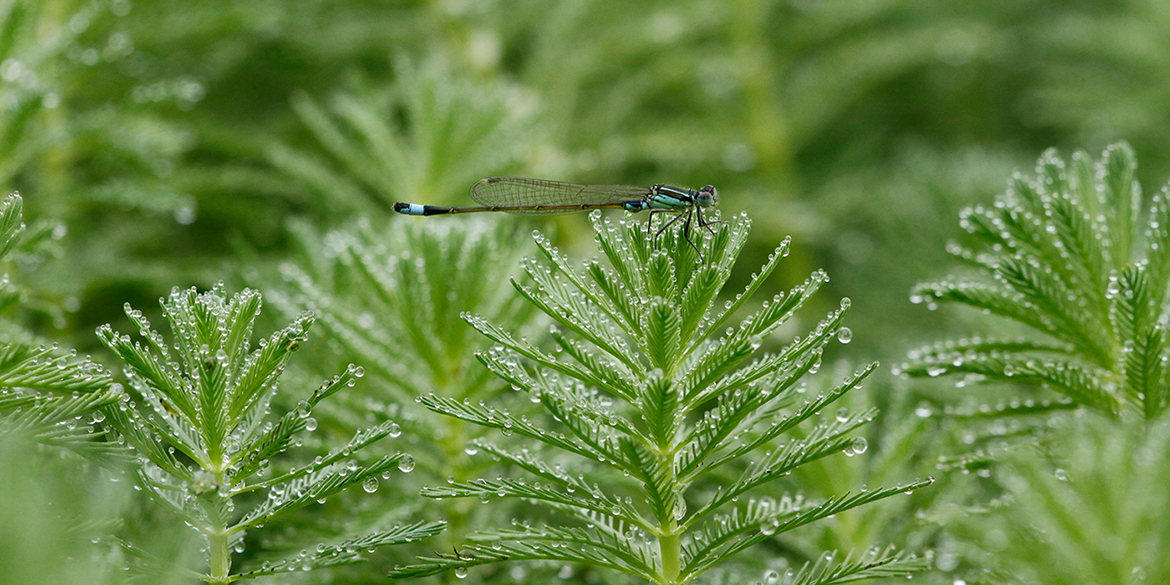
(670, 546)
(220, 568)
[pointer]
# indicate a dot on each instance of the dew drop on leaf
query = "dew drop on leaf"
(406, 464)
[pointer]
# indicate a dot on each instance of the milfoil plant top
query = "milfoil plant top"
(1079, 256)
(205, 440)
(653, 393)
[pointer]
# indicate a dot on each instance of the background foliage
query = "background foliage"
(162, 143)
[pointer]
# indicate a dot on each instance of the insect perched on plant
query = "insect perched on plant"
(541, 197)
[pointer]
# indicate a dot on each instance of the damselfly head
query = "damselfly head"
(708, 197)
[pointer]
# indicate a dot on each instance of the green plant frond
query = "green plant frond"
(214, 389)
(744, 409)
(41, 368)
(1145, 370)
(59, 421)
(361, 439)
(1135, 310)
(713, 538)
(312, 487)
(702, 288)
(875, 563)
(147, 370)
(662, 326)
(1122, 194)
(728, 539)
(492, 418)
(346, 552)
(1052, 299)
(267, 444)
(660, 281)
(1078, 233)
(1078, 381)
(501, 366)
(11, 223)
(393, 297)
(660, 402)
(349, 328)
(530, 463)
(1048, 202)
(824, 440)
(260, 370)
(1073, 262)
(801, 351)
(590, 419)
(1064, 497)
(200, 433)
(609, 295)
(552, 544)
(277, 437)
(657, 478)
(933, 360)
(428, 134)
(1157, 237)
(179, 497)
(704, 444)
(994, 299)
(577, 315)
(622, 304)
(729, 254)
(145, 438)
(537, 492)
(719, 358)
(612, 376)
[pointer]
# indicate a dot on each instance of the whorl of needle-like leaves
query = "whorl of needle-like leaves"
(1071, 255)
(46, 396)
(652, 392)
(203, 438)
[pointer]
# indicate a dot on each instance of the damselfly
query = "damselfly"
(541, 197)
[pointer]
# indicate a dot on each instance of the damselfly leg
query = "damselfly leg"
(685, 217)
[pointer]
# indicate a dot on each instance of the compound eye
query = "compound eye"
(708, 193)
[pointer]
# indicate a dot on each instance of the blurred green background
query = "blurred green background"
(169, 136)
(181, 143)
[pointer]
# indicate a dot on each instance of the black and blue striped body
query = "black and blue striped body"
(541, 197)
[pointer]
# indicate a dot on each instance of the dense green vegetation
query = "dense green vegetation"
(240, 161)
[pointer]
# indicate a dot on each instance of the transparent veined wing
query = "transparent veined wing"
(523, 192)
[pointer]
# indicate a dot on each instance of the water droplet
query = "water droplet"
(406, 464)
(370, 485)
(844, 335)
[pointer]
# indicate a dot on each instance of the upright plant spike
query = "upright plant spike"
(649, 396)
(202, 440)
(1063, 254)
(46, 396)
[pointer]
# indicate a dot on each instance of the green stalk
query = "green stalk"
(670, 546)
(220, 556)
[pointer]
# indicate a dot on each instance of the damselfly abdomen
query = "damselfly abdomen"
(541, 197)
